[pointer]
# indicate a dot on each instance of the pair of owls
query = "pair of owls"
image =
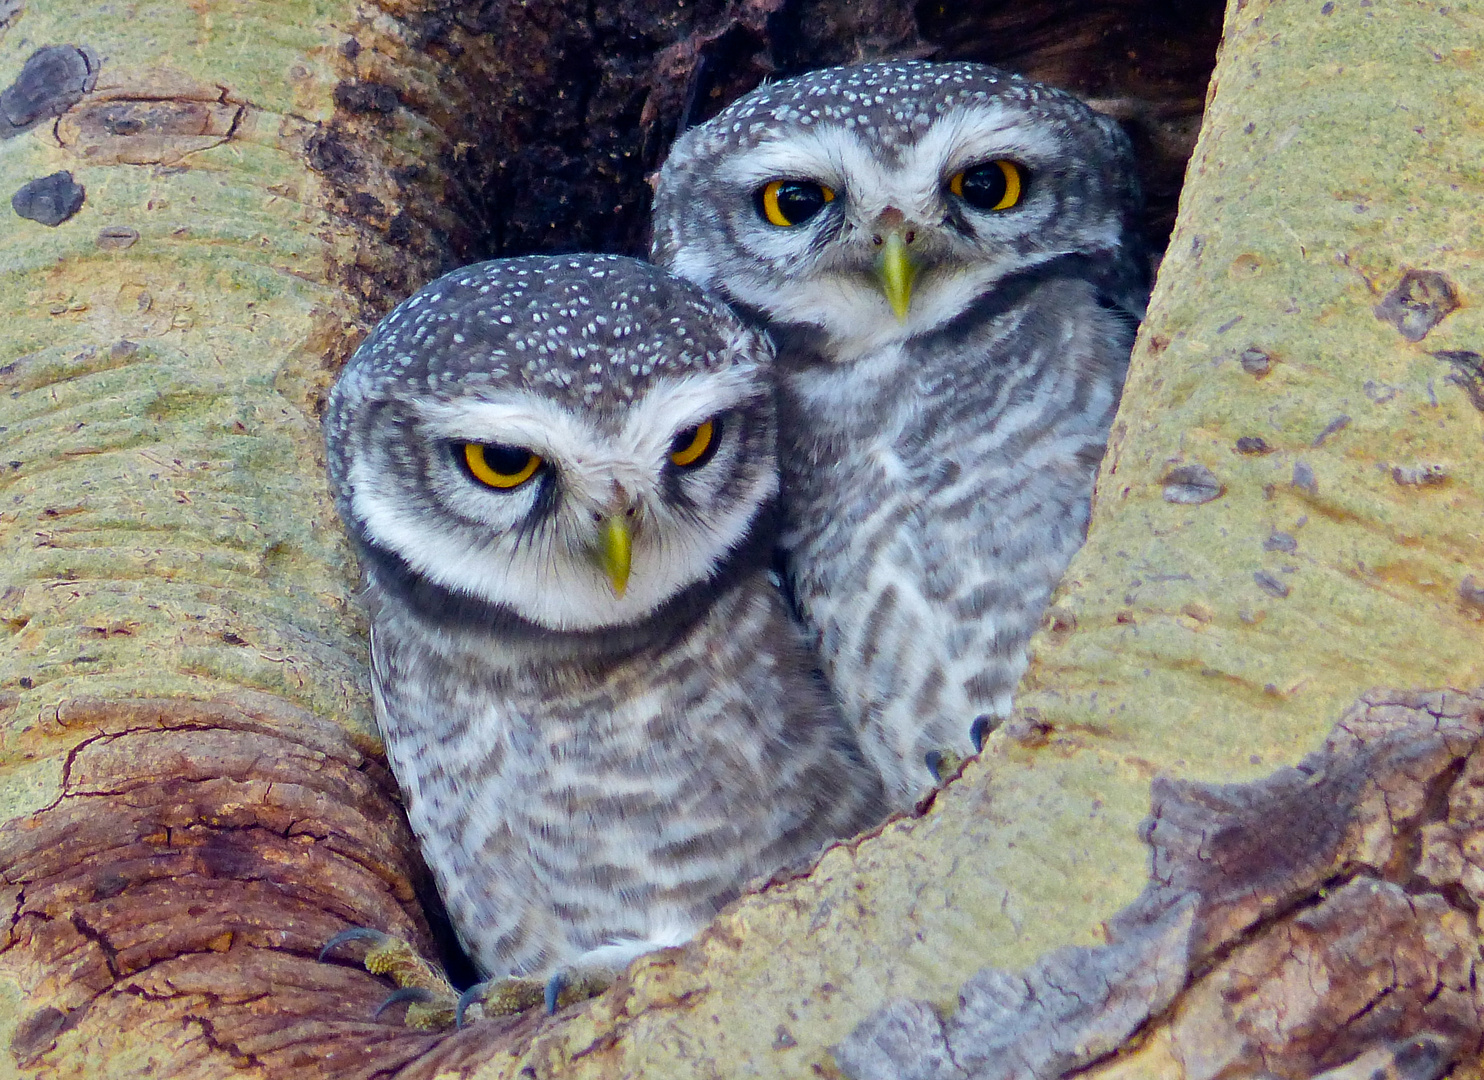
(566, 477)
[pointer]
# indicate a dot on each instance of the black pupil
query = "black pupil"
(506, 459)
(685, 442)
(799, 200)
(984, 186)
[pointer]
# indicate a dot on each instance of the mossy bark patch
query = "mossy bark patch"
(1324, 267)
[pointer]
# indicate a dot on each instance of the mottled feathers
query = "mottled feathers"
(593, 697)
(946, 258)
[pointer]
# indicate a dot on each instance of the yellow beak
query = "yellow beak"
(896, 269)
(615, 548)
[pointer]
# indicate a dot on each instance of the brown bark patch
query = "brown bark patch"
(1366, 965)
(149, 118)
(1324, 915)
(183, 882)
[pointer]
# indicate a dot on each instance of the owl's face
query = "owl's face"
(574, 439)
(877, 202)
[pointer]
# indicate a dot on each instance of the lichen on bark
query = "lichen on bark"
(191, 792)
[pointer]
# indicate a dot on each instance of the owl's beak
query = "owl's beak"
(615, 546)
(896, 269)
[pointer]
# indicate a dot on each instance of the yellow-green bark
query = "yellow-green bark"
(152, 473)
(1165, 654)
(1338, 152)
(167, 537)
(178, 595)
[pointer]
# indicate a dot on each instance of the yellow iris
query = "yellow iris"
(503, 467)
(792, 202)
(988, 191)
(689, 446)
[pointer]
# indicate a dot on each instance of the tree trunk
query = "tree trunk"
(193, 795)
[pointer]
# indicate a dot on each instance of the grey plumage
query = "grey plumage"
(594, 759)
(951, 275)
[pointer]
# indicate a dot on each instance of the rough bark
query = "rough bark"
(213, 201)
(192, 796)
(1252, 952)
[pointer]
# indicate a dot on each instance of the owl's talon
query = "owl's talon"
(418, 995)
(981, 728)
(468, 997)
(500, 997)
(430, 996)
(355, 933)
(944, 764)
(435, 1014)
(576, 984)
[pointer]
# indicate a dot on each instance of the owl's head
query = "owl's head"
(879, 201)
(574, 440)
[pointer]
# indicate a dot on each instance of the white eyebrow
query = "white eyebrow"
(565, 434)
(839, 157)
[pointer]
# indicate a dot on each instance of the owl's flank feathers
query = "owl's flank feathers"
(946, 256)
(560, 477)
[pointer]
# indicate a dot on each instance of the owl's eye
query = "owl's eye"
(995, 185)
(693, 447)
(791, 202)
(503, 467)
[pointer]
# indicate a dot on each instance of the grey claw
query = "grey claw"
(467, 998)
(554, 987)
(933, 759)
(355, 933)
(406, 993)
(979, 730)
(1424, 1056)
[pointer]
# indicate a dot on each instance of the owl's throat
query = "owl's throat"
(442, 607)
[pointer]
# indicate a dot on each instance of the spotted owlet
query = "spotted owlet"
(946, 257)
(560, 477)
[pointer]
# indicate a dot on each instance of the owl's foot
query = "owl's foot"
(575, 984)
(432, 1000)
(500, 997)
(944, 764)
(504, 997)
(981, 728)
(587, 975)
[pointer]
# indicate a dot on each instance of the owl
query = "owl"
(946, 257)
(560, 476)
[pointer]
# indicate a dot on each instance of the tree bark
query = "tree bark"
(192, 791)
(192, 787)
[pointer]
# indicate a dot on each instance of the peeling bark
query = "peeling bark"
(193, 800)
(230, 196)
(196, 858)
(1291, 925)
